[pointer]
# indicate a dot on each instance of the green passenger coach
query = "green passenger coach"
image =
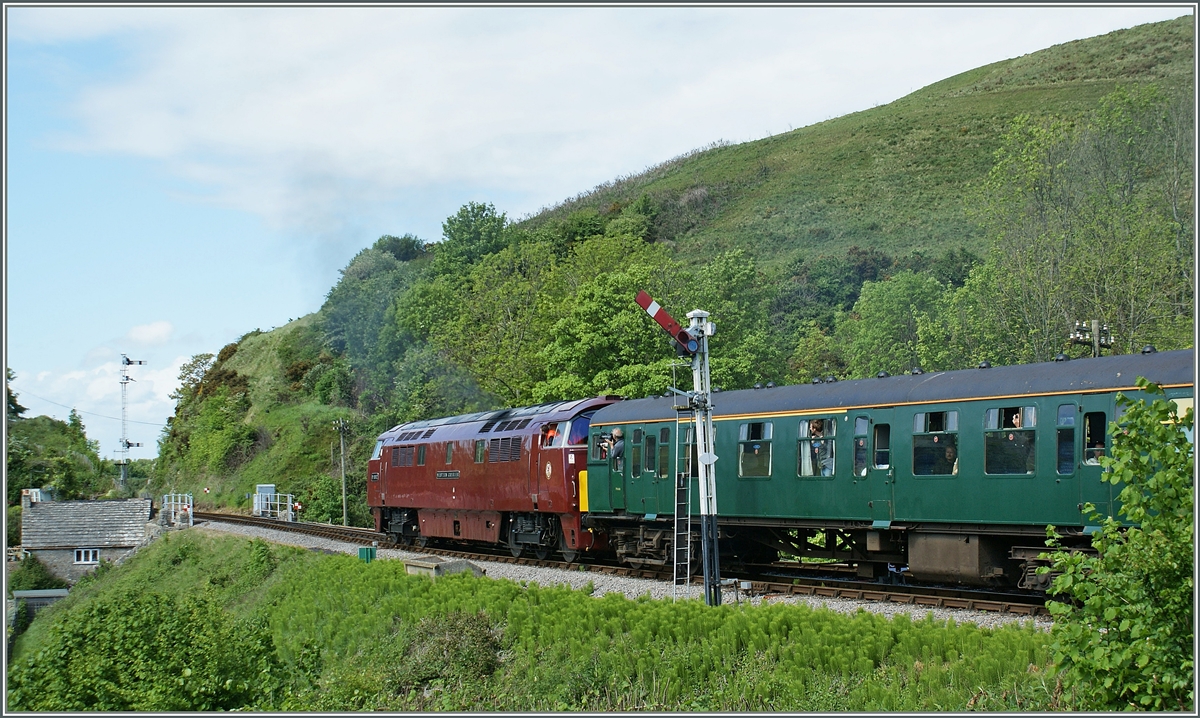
(954, 475)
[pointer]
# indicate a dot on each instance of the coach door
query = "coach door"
(881, 467)
(1095, 411)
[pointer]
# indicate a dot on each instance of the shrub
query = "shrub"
(1125, 639)
(32, 575)
(132, 651)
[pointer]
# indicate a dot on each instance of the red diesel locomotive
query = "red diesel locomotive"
(514, 476)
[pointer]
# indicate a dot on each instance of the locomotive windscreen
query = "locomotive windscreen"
(579, 429)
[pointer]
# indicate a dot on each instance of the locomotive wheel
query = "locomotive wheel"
(515, 548)
(541, 552)
(421, 541)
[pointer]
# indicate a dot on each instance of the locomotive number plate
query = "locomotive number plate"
(448, 474)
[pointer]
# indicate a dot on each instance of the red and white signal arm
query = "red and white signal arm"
(683, 337)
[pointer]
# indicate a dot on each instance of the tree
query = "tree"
(475, 231)
(1125, 637)
(883, 331)
(14, 409)
(190, 376)
(1086, 221)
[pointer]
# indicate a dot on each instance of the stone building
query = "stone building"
(72, 537)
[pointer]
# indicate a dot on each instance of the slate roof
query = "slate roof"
(84, 524)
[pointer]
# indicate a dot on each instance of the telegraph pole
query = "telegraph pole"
(126, 444)
(341, 425)
(693, 342)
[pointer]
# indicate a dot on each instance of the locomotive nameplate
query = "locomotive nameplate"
(448, 474)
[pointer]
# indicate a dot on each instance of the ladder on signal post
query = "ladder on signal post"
(683, 533)
(683, 536)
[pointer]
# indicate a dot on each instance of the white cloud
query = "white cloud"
(307, 116)
(150, 334)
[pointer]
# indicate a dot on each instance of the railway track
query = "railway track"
(760, 585)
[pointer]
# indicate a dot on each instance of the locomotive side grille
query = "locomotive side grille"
(430, 432)
(395, 456)
(406, 456)
(524, 423)
(487, 427)
(505, 449)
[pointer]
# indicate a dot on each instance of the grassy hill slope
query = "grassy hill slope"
(892, 177)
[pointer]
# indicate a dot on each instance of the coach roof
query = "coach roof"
(1173, 368)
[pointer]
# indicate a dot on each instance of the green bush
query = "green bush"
(1124, 638)
(13, 534)
(32, 575)
(133, 651)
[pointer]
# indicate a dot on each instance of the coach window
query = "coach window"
(664, 452)
(651, 452)
(1009, 440)
(480, 449)
(935, 443)
(860, 445)
(814, 447)
(421, 455)
(754, 449)
(599, 451)
(1093, 437)
(449, 452)
(883, 446)
(1066, 438)
(635, 453)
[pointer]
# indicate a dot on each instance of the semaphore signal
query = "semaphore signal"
(126, 444)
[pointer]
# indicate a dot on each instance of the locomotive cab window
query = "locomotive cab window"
(754, 449)
(378, 450)
(935, 443)
(577, 434)
(814, 447)
(1066, 439)
(1009, 440)
(554, 434)
(1093, 437)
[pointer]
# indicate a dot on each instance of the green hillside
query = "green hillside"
(974, 219)
(892, 177)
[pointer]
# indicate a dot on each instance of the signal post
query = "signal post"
(693, 342)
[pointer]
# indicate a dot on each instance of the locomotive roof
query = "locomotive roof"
(550, 411)
(1172, 368)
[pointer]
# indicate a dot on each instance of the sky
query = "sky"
(176, 177)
